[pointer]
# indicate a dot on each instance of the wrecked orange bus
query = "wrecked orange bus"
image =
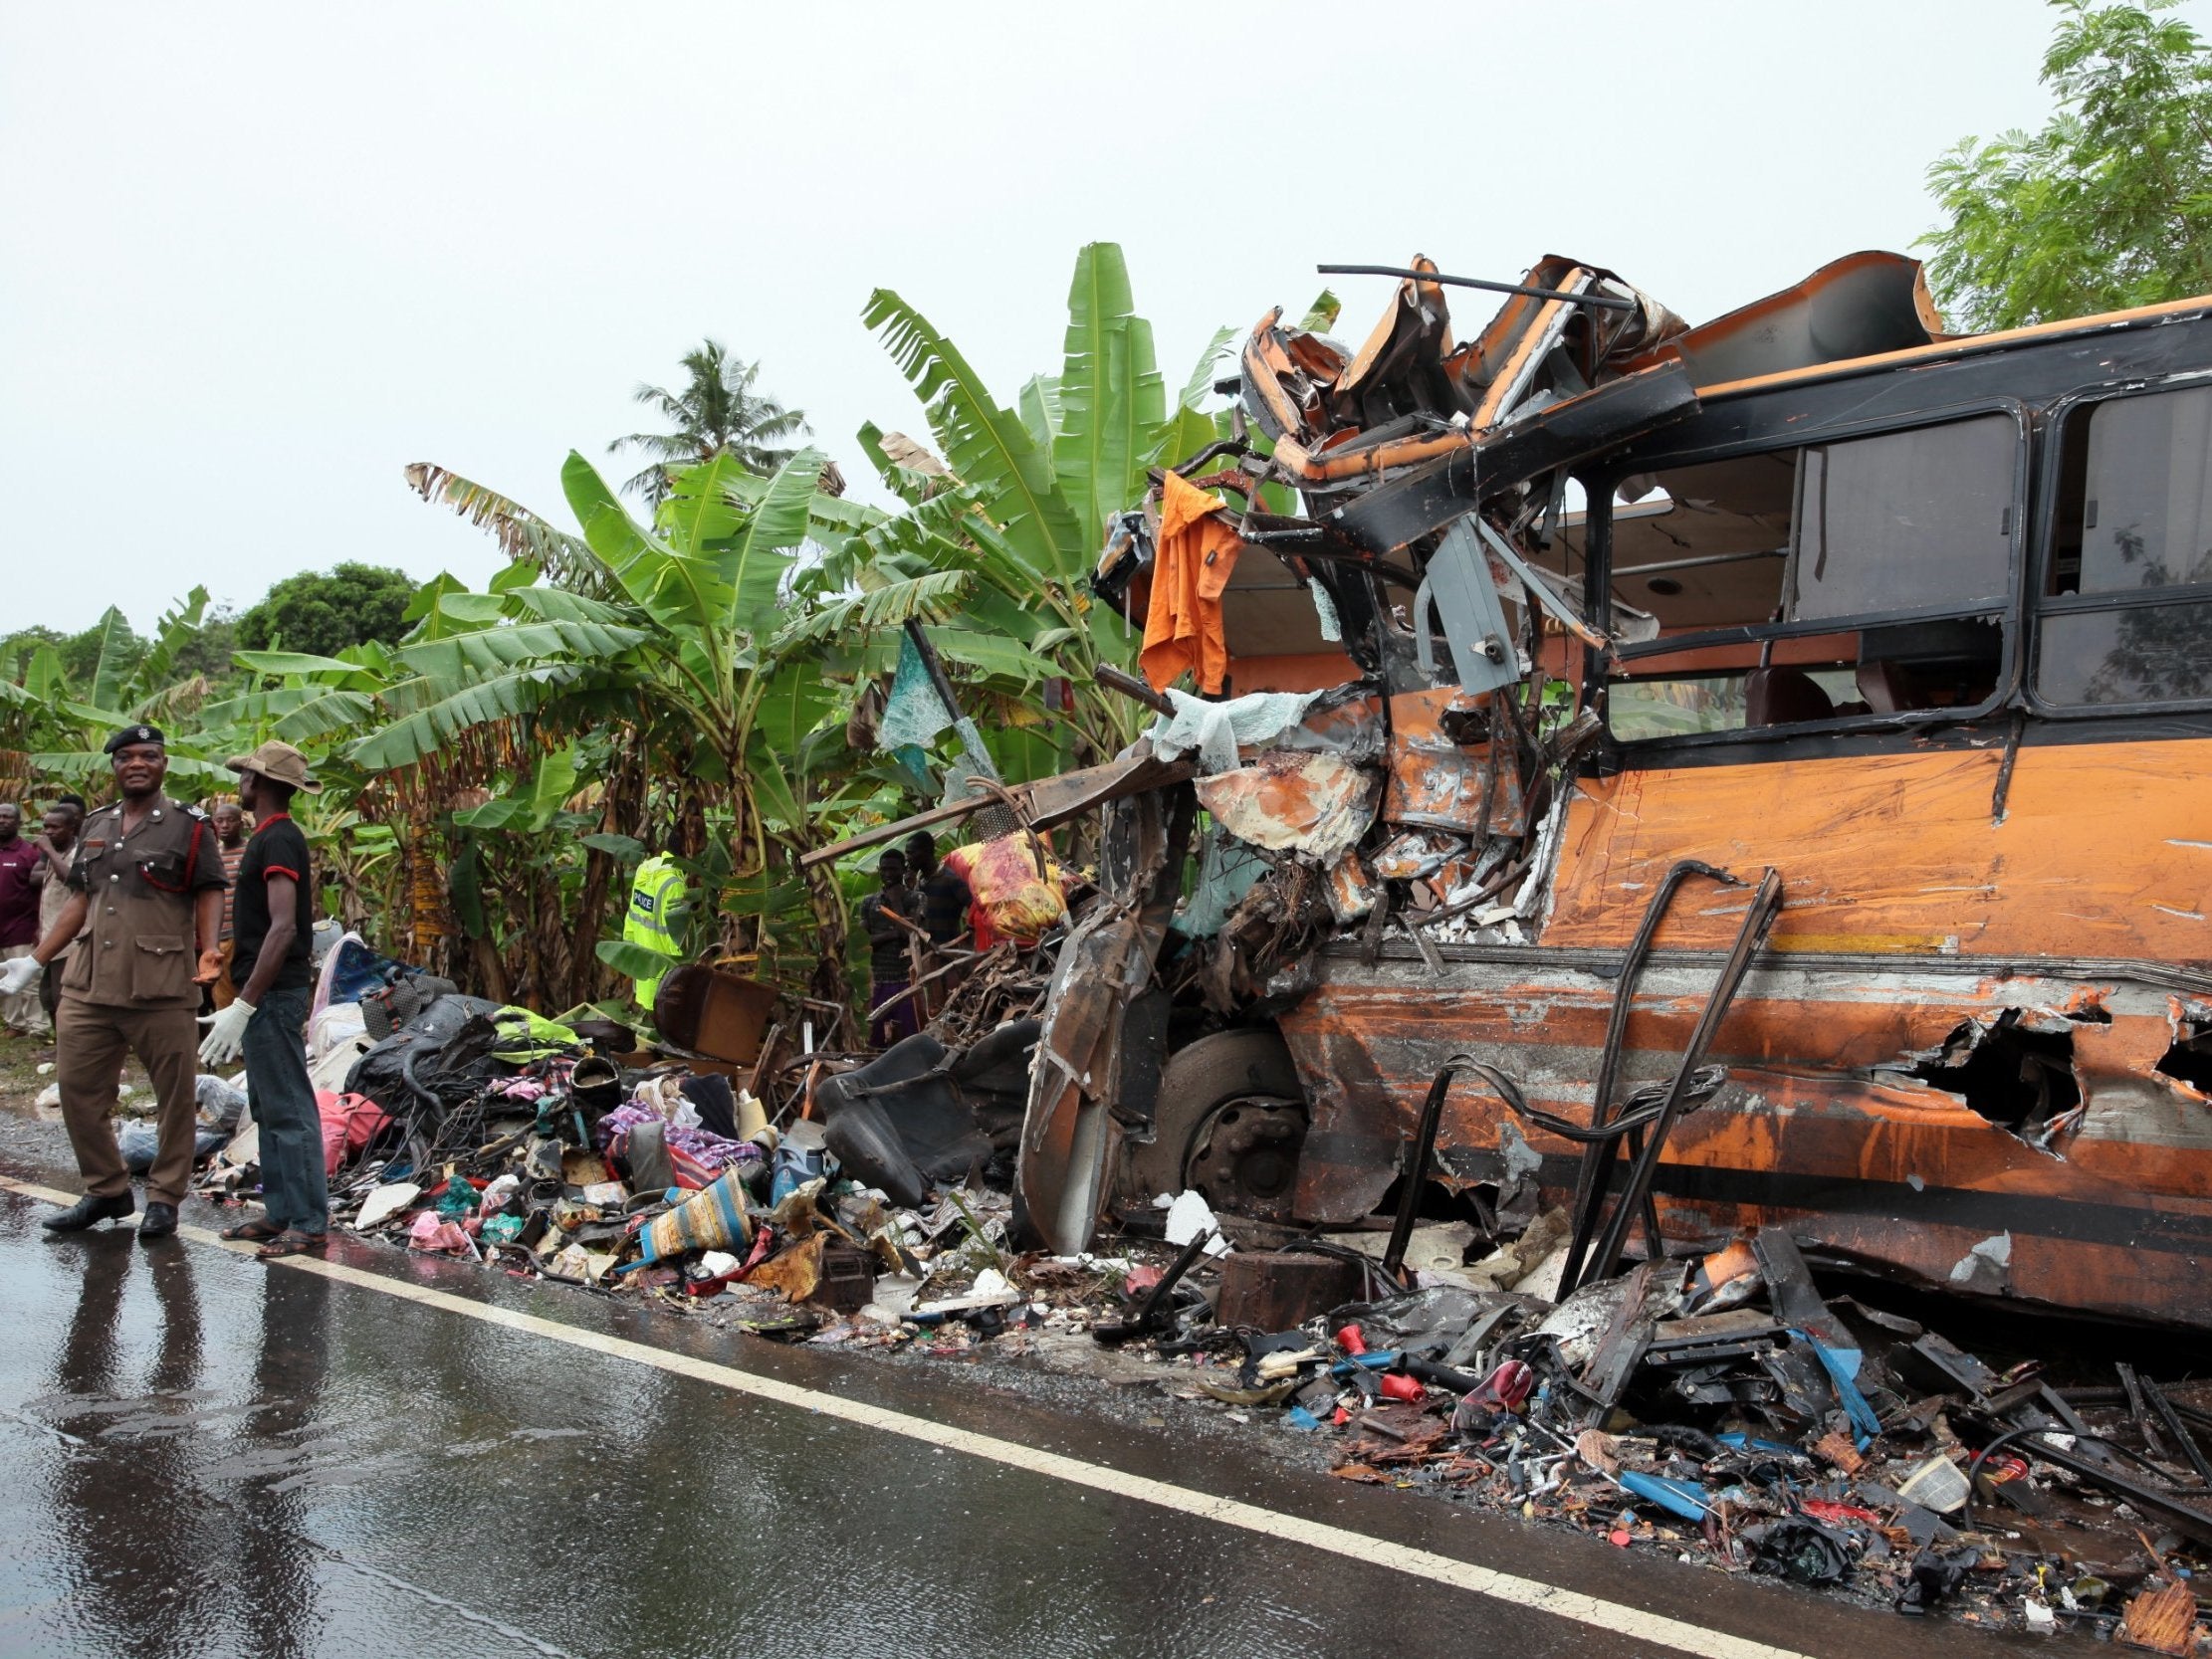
(1789, 735)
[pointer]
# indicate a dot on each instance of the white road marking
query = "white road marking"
(1625, 1623)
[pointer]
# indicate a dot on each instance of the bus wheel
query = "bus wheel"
(1231, 1121)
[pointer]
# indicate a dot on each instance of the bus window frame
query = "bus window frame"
(2082, 402)
(2010, 612)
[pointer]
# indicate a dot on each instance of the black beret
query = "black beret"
(137, 735)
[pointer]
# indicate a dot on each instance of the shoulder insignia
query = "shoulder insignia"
(194, 812)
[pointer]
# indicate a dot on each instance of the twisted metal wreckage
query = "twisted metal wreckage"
(1769, 756)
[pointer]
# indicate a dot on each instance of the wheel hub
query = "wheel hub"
(1245, 1157)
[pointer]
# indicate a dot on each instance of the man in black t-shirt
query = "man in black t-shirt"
(272, 927)
(890, 918)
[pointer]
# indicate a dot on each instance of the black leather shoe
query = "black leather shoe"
(160, 1222)
(89, 1209)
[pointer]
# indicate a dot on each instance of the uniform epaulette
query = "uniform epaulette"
(191, 811)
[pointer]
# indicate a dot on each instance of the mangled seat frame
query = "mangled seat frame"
(1921, 623)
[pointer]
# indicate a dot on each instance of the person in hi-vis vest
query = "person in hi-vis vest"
(656, 894)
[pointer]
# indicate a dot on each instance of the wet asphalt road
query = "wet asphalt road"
(206, 1456)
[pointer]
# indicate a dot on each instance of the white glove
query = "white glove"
(19, 975)
(226, 1033)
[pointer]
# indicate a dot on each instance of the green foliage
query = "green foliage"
(2110, 204)
(1020, 508)
(675, 679)
(324, 612)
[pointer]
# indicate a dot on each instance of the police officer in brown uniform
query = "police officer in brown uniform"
(145, 886)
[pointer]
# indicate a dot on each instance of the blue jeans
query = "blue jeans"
(281, 1099)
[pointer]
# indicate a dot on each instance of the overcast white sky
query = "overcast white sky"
(258, 257)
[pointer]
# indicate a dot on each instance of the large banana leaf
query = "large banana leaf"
(301, 664)
(520, 534)
(754, 561)
(430, 727)
(531, 805)
(177, 629)
(984, 444)
(936, 597)
(111, 668)
(678, 592)
(488, 650)
(1200, 386)
(557, 604)
(82, 765)
(993, 654)
(254, 709)
(332, 713)
(1110, 394)
(43, 677)
(1039, 403)
(471, 610)
(791, 705)
(699, 510)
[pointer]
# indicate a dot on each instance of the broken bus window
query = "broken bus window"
(1739, 557)
(2127, 616)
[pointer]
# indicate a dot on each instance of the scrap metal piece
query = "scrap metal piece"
(1595, 1170)
(1415, 1171)
(2179, 1430)
(1404, 509)
(1854, 306)
(1457, 586)
(2137, 1408)
(1280, 1290)
(1157, 1315)
(1067, 1127)
(1291, 801)
(1765, 905)
(1561, 612)
(1439, 781)
(1607, 302)
(1621, 1348)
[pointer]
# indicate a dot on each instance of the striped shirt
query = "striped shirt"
(231, 857)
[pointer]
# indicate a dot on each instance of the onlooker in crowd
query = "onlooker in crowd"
(20, 863)
(59, 844)
(130, 983)
(944, 895)
(890, 918)
(275, 912)
(229, 820)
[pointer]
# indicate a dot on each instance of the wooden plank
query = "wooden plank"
(1047, 802)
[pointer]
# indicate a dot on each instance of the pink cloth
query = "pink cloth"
(432, 1231)
(350, 1124)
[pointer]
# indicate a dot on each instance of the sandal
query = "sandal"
(252, 1233)
(290, 1243)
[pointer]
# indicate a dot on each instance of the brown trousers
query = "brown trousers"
(91, 1039)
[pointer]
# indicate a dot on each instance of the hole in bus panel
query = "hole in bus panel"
(1910, 521)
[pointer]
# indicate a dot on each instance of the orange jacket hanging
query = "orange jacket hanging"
(1192, 562)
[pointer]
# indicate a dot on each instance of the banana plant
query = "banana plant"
(61, 727)
(692, 608)
(997, 539)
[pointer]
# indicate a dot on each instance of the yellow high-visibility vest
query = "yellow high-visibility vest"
(655, 892)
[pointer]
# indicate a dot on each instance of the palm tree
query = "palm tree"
(715, 413)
